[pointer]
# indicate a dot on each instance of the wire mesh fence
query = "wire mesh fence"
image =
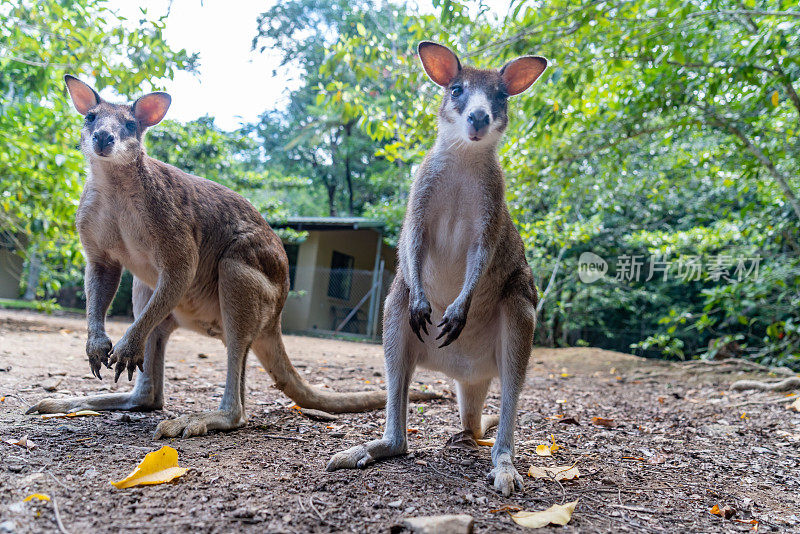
(337, 300)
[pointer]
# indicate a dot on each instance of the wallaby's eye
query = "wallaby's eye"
(131, 126)
(90, 117)
(456, 91)
(501, 97)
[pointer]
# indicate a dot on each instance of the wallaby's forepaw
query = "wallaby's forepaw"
(126, 354)
(419, 315)
(452, 323)
(505, 477)
(198, 424)
(98, 348)
(361, 456)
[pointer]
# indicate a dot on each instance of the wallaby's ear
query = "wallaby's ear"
(150, 109)
(83, 97)
(441, 64)
(520, 73)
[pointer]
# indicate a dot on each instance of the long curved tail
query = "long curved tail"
(272, 354)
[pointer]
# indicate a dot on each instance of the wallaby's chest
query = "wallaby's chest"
(453, 223)
(112, 226)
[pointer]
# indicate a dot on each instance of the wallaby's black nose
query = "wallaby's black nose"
(478, 119)
(102, 142)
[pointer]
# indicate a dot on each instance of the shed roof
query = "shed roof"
(328, 223)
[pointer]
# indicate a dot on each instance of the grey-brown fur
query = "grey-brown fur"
(202, 257)
(462, 268)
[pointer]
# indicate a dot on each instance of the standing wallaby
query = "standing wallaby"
(462, 264)
(202, 257)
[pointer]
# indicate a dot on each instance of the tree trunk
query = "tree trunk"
(331, 187)
(348, 173)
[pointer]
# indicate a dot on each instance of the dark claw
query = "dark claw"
(131, 369)
(118, 371)
(415, 328)
(452, 329)
(141, 366)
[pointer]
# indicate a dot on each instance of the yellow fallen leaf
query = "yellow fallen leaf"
(776, 98)
(487, 442)
(157, 467)
(558, 514)
(548, 450)
(40, 496)
(564, 472)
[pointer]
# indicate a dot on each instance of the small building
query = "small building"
(339, 275)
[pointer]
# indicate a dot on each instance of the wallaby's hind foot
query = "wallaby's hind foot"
(466, 439)
(130, 401)
(198, 424)
(361, 456)
(504, 476)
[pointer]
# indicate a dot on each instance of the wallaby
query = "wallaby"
(202, 257)
(462, 264)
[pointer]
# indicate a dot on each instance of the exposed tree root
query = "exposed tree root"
(787, 384)
(714, 365)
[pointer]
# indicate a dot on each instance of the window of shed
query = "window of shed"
(341, 278)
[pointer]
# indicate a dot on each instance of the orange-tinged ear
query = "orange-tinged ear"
(84, 97)
(150, 109)
(440, 62)
(520, 73)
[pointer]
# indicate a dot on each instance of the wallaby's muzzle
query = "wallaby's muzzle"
(478, 122)
(102, 143)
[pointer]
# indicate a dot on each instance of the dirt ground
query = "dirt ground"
(680, 443)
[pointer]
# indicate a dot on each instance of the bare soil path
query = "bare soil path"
(680, 443)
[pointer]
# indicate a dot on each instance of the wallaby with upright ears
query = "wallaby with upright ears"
(202, 257)
(462, 265)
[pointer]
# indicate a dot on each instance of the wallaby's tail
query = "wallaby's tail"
(271, 353)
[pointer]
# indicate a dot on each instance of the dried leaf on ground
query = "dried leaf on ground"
(157, 467)
(569, 421)
(486, 442)
(40, 496)
(603, 421)
(506, 508)
(80, 413)
(23, 442)
(795, 405)
(726, 511)
(564, 472)
(558, 514)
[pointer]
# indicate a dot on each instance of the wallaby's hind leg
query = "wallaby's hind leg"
(246, 300)
(400, 347)
(148, 393)
(517, 321)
